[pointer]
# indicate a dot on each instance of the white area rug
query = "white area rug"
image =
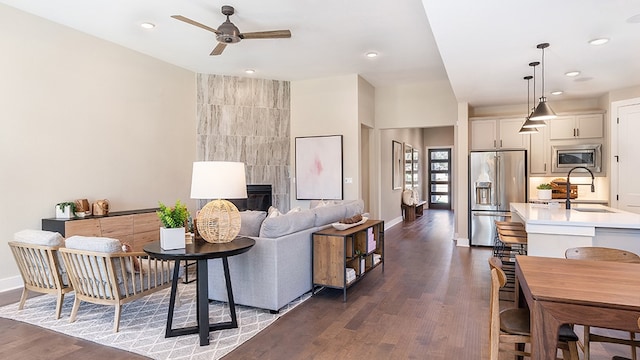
(142, 323)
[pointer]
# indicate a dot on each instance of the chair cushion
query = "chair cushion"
(92, 243)
(39, 237)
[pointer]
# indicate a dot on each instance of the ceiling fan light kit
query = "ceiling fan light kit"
(543, 111)
(228, 32)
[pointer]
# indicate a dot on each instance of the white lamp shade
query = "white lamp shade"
(218, 180)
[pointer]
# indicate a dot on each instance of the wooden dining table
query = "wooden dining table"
(585, 292)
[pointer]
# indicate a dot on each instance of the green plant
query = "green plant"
(544, 187)
(173, 217)
(63, 206)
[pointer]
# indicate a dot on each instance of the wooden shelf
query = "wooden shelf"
(336, 250)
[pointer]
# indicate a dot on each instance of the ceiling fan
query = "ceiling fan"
(228, 33)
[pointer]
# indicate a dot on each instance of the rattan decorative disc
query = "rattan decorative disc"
(219, 221)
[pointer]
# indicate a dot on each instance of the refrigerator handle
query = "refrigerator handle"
(495, 176)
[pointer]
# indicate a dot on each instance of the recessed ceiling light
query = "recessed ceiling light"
(599, 41)
(557, 92)
(572, 73)
(250, 71)
(371, 54)
(147, 25)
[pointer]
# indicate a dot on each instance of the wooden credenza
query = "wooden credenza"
(136, 227)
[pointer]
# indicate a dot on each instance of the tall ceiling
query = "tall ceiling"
(482, 47)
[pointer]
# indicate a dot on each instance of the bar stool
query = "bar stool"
(510, 240)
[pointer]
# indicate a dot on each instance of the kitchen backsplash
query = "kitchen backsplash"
(584, 191)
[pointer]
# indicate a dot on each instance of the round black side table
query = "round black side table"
(201, 251)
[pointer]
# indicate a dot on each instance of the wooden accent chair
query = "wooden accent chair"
(37, 257)
(102, 274)
(512, 326)
(604, 254)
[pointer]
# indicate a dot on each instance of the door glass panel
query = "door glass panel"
(440, 188)
(440, 166)
(439, 176)
(440, 199)
(439, 155)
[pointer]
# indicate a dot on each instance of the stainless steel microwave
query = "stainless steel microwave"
(566, 157)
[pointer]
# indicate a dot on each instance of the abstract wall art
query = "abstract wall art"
(319, 167)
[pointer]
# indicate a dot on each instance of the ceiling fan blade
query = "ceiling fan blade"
(218, 49)
(195, 23)
(274, 34)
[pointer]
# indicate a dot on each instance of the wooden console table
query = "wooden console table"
(360, 248)
(136, 227)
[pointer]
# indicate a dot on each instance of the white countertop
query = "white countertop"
(542, 214)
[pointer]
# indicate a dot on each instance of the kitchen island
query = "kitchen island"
(553, 229)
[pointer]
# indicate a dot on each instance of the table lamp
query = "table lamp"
(219, 220)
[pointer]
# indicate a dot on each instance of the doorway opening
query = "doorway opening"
(439, 178)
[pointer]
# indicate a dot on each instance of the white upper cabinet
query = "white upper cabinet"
(576, 127)
(497, 134)
(540, 152)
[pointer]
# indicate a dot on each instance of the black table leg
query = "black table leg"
(203, 301)
(202, 295)
(172, 298)
(232, 304)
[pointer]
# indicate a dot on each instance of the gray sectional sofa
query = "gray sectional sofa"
(278, 268)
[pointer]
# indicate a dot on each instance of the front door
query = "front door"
(439, 178)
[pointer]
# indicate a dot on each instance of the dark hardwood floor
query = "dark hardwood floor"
(431, 302)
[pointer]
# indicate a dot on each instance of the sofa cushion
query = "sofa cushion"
(251, 221)
(39, 237)
(287, 224)
(328, 214)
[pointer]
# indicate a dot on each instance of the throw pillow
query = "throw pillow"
(91, 243)
(126, 247)
(295, 210)
(251, 221)
(273, 212)
(407, 197)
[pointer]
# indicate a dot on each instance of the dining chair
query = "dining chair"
(512, 326)
(604, 254)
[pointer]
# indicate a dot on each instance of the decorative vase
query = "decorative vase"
(544, 194)
(172, 238)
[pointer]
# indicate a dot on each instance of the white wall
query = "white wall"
(415, 105)
(85, 118)
(328, 106)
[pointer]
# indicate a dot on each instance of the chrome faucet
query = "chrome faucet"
(593, 188)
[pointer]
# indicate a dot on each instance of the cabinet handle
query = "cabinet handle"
(574, 132)
(578, 132)
(545, 167)
(494, 143)
(500, 142)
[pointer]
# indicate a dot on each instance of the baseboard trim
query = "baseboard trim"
(462, 242)
(11, 283)
(389, 224)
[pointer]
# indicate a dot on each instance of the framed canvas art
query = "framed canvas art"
(397, 165)
(319, 167)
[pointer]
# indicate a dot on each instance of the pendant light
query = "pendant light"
(527, 129)
(543, 110)
(530, 123)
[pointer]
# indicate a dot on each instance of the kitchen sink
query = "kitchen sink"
(594, 210)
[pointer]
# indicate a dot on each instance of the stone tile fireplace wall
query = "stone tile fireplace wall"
(247, 119)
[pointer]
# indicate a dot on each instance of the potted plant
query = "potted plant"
(173, 219)
(544, 191)
(65, 210)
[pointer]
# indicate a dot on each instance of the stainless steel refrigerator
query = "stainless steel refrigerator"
(496, 179)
